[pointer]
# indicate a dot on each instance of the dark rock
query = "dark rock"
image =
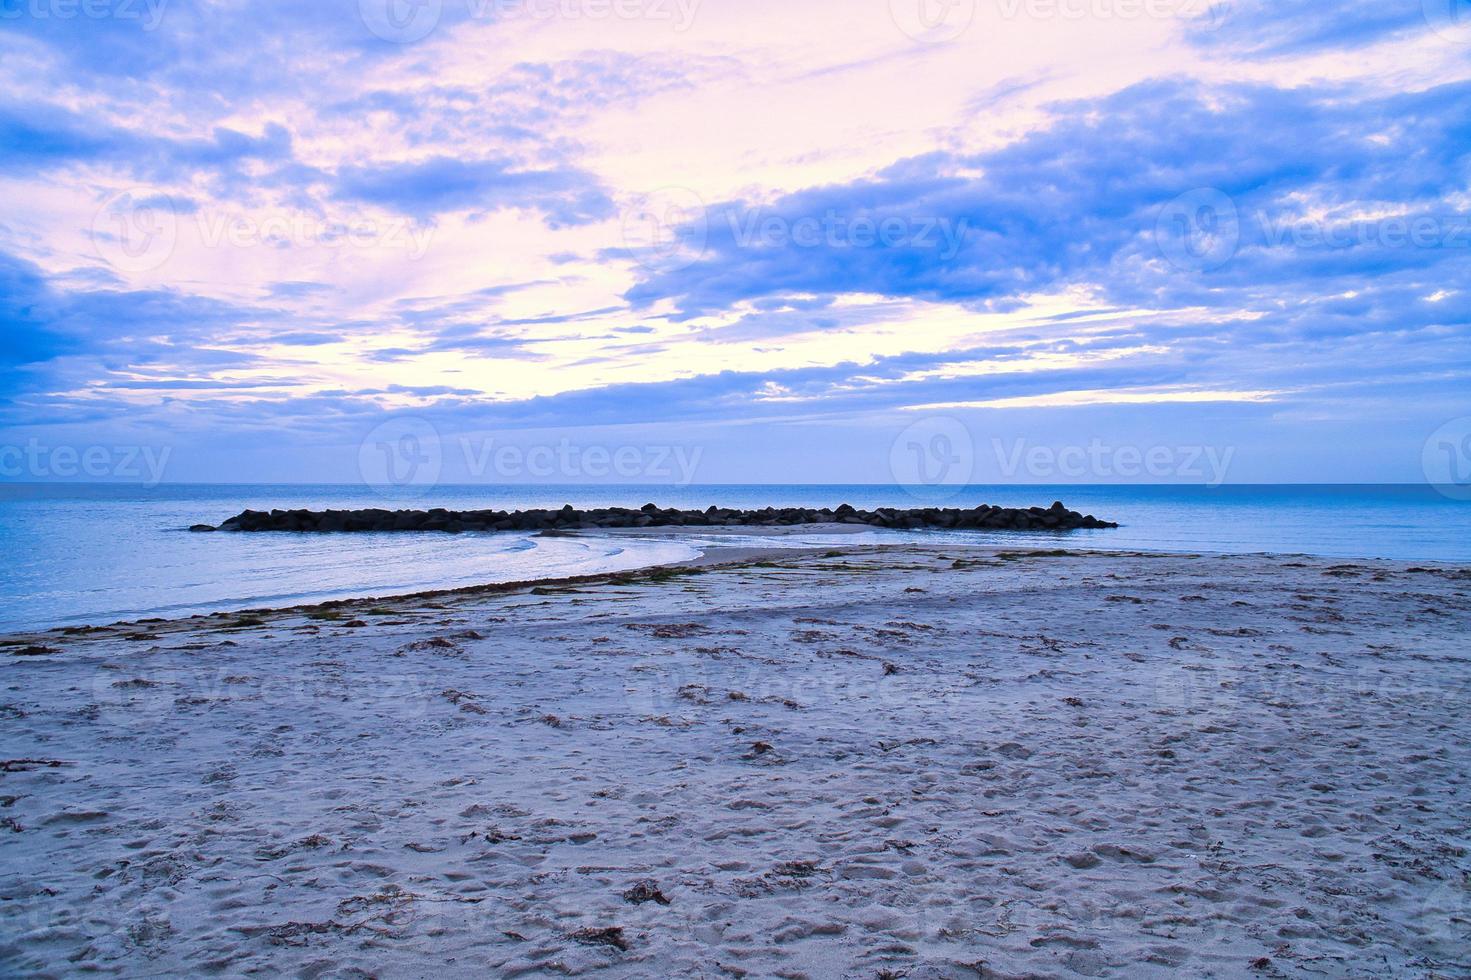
(645, 891)
(606, 936)
(1054, 518)
(202, 528)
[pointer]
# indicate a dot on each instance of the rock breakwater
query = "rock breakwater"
(985, 517)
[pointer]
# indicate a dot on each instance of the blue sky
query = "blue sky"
(792, 240)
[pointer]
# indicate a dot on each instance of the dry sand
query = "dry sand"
(913, 761)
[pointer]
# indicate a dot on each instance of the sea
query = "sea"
(74, 554)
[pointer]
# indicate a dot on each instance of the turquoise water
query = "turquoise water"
(101, 553)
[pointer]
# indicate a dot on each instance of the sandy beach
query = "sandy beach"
(910, 761)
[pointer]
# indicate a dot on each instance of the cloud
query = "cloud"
(220, 47)
(306, 339)
(1277, 28)
(28, 312)
(425, 189)
(114, 329)
(190, 384)
(297, 290)
(1073, 204)
(34, 137)
(38, 138)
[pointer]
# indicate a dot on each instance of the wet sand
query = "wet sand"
(921, 761)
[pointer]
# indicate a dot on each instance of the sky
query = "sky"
(735, 241)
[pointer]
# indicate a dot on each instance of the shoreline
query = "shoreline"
(175, 624)
(711, 558)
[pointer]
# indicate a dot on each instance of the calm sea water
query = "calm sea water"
(102, 553)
